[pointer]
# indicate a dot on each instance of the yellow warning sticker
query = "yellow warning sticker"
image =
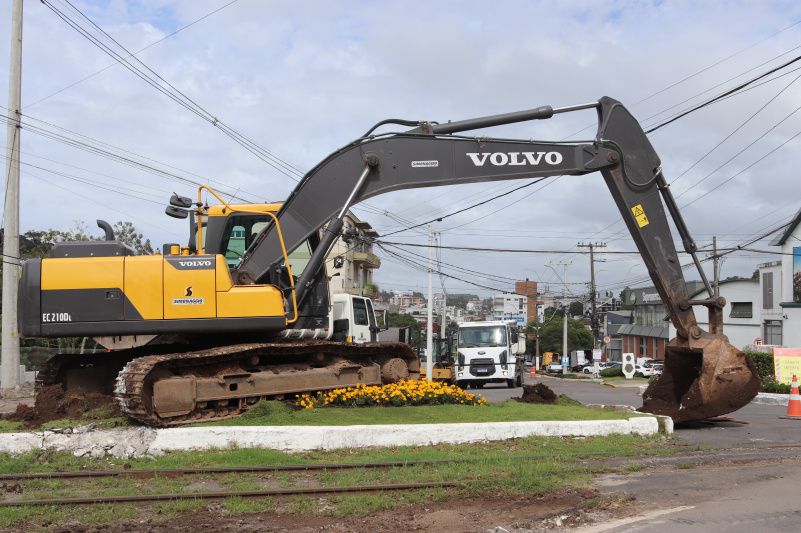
(639, 215)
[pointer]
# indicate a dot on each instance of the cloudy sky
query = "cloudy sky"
(304, 78)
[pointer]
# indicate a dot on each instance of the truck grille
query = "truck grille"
(482, 367)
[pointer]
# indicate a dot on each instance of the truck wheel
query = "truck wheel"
(461, 384)
(510, 383)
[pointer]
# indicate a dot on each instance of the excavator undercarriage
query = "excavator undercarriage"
(161, 388)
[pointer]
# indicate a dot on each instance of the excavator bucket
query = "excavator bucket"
(702, 378)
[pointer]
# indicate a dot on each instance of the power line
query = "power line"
(721, 96)
(443, 217)
(159, 83)
(154, 43)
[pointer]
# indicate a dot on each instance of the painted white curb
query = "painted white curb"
(771, 398)
(139, 442)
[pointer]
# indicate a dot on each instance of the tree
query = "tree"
(398, 320)
(460, 300)
(576, 309)
(125, 232)
(578, 337)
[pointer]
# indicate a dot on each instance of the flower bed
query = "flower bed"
(420, 392)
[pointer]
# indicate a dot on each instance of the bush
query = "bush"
(771, 385)
(763, 362)
(611, 372)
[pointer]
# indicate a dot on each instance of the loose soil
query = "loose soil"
(553, 512)
(11, 399)
(53, 403)
(538, 393)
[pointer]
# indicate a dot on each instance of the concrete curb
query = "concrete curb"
(140, 442)
(770, 398)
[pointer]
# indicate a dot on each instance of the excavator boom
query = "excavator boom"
(704, 375)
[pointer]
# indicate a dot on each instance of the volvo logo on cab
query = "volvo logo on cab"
(201, 263)
(500, 159)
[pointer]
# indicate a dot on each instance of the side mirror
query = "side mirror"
(176, 212)
(385, 318)
(339, 261)
(180, 201)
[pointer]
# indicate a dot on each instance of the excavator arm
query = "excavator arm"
(703, 376)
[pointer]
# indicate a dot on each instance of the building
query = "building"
(765, 310)
(648, 333)
(528, 289)
(405, 300)
(351, 260)
(510, 307)
(613, 321)
(741, 316)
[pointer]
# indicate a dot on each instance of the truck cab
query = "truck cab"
(354, 319)
(489, 352)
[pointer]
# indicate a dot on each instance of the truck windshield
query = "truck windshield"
(482, 336)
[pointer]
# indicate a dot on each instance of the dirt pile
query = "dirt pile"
(53, 403)
(538, 393)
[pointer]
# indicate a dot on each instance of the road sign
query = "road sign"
(607, 339)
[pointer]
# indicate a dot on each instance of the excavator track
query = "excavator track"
(218, 383)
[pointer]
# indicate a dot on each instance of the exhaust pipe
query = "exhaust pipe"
(702, 378)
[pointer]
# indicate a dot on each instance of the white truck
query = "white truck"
(489, 352)
(354, 320)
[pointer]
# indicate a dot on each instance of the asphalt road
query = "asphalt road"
(711, 497)
(753, 425)
(743, 499)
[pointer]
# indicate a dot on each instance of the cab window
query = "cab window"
(299, 258)
(360, 312)
(239, 234)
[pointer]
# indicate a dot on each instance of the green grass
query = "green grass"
(280, 414)
(489, 470)
(9, 426)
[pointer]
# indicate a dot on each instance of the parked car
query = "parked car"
(657, 368)
(646, 371)
(555, 367)
(590, 369)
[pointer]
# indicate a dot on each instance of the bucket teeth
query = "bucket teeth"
(702, 379)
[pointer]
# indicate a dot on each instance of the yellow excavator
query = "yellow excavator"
(243, 311)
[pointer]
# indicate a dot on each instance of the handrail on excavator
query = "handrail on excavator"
(234, 209)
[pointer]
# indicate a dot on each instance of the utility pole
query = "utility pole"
(594, 315)
(442, 320)
(430, 321)
(716, 265)
(9, 357)
(565, 308)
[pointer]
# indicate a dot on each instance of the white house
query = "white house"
(741, 315)
(787, 288)
(766, 310)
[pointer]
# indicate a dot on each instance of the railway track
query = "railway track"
(216, 495)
